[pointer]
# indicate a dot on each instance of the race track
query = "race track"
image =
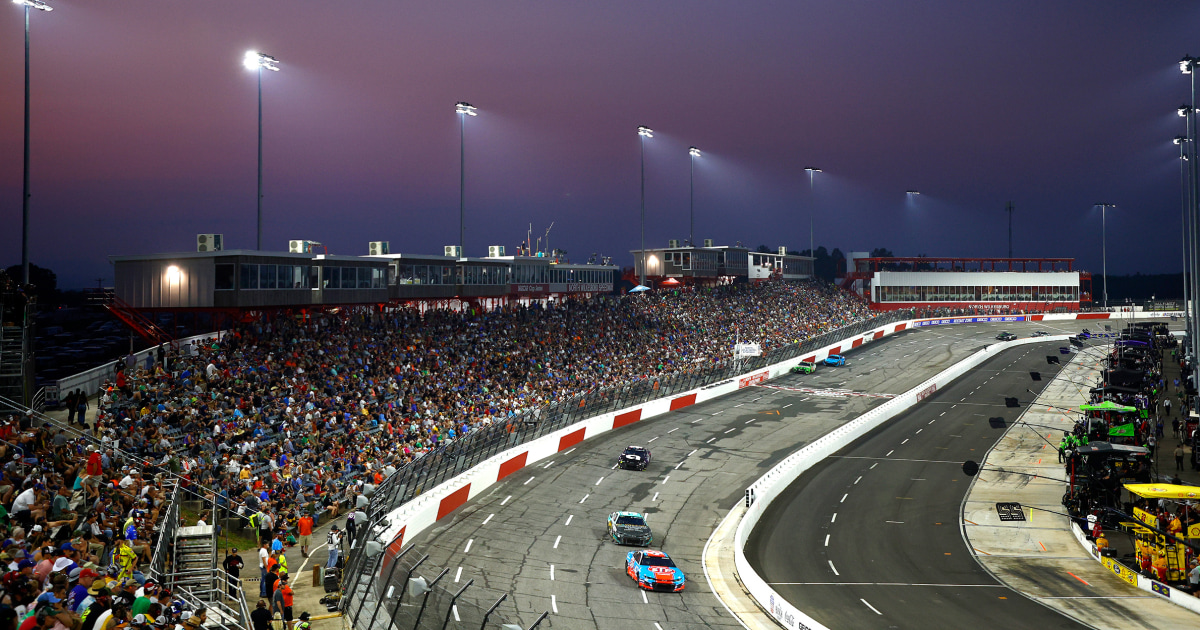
(540, 536)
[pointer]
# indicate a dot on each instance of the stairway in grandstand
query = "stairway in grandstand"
(142, 325)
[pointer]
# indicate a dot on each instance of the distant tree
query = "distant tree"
(880, 252)
(44, 281)
(763, 249)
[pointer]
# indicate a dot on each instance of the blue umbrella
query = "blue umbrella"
(639, 288)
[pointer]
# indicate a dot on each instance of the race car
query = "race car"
(1086, 334)
(804, 367)
(1006, 336)
(835, 359)
(654, 571)
(634, 457)
(629, 528)
(1040, 333)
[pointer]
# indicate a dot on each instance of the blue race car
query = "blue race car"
(835, 360)
(654, 571)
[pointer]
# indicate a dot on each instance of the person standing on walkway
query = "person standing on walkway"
(335, 547)
(263, 555)
(1178, 457)
(305, 527)
(233, 566)
(69, 403)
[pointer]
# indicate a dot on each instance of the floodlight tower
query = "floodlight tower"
(463, 109)
(693, 153)
(256, 61)
(812, 209)
(643, 133)
(39, 5)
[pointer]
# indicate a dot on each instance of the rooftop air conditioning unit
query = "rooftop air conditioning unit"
(495, 251)
(673, 243)
(708, 242)
(298, 247)
(209, 242)
(782, 250)
(377, 248)
(453, 250)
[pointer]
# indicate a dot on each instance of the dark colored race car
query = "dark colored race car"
(634, 458)
(1040, 333)
(1006, 336)
(654, 571)
(629, 528)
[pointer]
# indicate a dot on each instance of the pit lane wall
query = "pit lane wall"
(406, 521)
(768, 487)
(1133, 578)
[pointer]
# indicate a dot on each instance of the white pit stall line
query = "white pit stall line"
(557, 539)
(554, 604)
(655, 497)
(469, 543)
(569, 517)
(457, 574)
(551, 573)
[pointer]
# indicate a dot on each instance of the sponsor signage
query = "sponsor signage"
(927, 392)
(747, 349)
(531, 289)
(1161, 589)
(783, 613)
(586, 287)
(970, 320)
(1120, 570)
(753, 379)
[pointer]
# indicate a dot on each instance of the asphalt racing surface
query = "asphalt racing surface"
(869, 538)
(539, 535)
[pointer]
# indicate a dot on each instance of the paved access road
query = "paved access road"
(870, 537)
(540, 535)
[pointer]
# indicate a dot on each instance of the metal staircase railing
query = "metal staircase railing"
(130, 316)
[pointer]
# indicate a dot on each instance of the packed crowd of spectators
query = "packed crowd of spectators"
(278, 418)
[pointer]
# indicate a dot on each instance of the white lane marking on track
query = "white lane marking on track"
(904, 442)
(873, 465)
(710, 440)
(890, 453)
(655, 497)
(454, 609)
(961, 399)
(678, 465)
(644, 600)
(941, 414)
(788, 405)
(953, 406)
(554, 604)
(919, 430)
(657, 627)
(932, 421)
(844, 498)
(896, 522)
(858, 480)
(729, 431)
(833, 567)
(666, 478)
(718, 412)
(485, 521)
(834, 519)
(506, 499)
(557, 539)
(584, 498)
(552, 573)
(457, 574)
(747, 422)
(737, 405)
(599, 480)
(826, 540)
(551, 463)
(570, 451)
(698, 420)
(527, 481)
(693, 452)
(569, 517)
(469, 543)
(869, 606)
(652, 439)
(673, 430)
(615, 466)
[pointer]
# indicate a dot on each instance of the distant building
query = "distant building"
(716, 264)
(993, 284)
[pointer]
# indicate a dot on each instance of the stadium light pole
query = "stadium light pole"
(41, 6)
(1104, 245)
(1187, 65)
(643, 133)
(693, 153)
(256, 61)
(463, 109)
(1181, 142)
(812, 209)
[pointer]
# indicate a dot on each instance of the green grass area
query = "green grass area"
(244, 540)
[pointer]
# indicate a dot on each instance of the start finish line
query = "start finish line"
(831, 393)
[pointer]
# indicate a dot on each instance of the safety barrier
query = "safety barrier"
(760, 494)
(1133, 578)
(90, 380)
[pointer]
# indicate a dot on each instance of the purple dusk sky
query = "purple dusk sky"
(144, 125)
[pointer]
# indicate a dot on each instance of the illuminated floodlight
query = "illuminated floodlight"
(912, 192)
(34, 4)
(1182, 110)
(1185, 65)
(811, 169)
(693, 151)
(1180, 139)
(255, 60)
(464, 108)
(645, 132)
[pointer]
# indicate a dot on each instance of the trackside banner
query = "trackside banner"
(970, 320)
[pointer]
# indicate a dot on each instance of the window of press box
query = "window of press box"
(226, 277)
